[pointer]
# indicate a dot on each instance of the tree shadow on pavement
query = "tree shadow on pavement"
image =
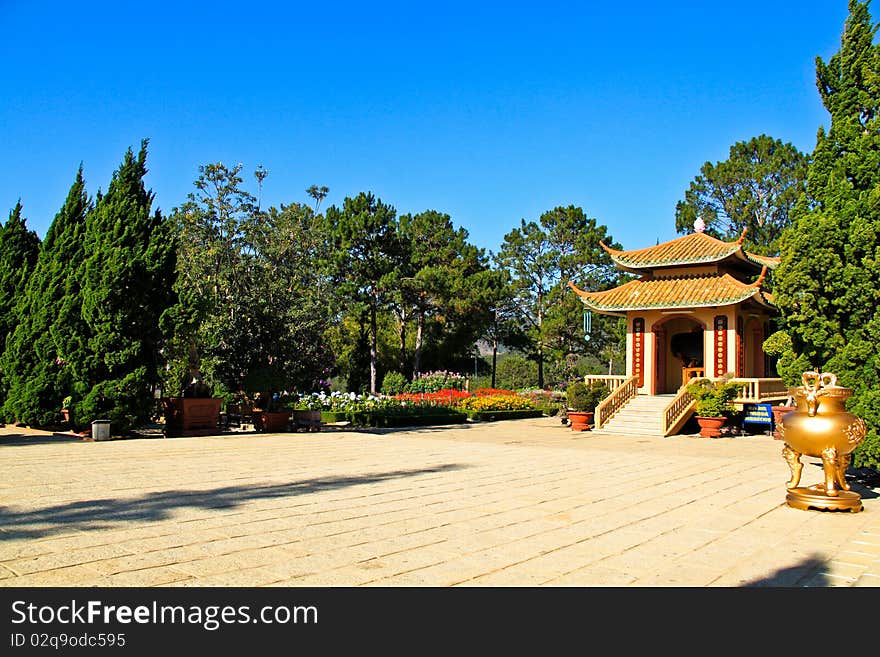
(97, 514)
(9, 439)
(805, 573)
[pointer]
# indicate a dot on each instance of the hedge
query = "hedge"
(364, 419)
(492, 416)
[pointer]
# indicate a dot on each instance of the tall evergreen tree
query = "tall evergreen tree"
(438, 289)
(127, 279)
(36, 359)
(19, 249)
(828, 283)
(367, 252)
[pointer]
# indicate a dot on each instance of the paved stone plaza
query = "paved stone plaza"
(516, 503)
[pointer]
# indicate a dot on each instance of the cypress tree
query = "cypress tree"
(126, 280)
(19, 248)
(36, 360)
(828, 283)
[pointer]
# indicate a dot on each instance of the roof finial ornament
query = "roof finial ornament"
(761, 278)
(699, 225)
(743, 235)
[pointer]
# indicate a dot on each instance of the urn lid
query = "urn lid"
(818, 385)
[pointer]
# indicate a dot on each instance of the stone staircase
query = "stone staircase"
(640, 417)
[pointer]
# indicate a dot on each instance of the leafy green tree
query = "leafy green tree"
(37, 360)
(211, 281)
(364, 263)
(827, 283)
(754, 189)
(252, 304)
(541, 257)
(126, 279)
(19, 249)
(287, 300)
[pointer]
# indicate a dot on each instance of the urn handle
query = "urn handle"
(813, 384)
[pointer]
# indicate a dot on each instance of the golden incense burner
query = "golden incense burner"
(823, 428)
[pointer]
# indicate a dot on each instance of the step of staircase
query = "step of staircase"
(640, 417)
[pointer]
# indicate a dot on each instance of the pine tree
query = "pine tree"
(19, 248)
(126, 281)
(36, 361)
(828, 283)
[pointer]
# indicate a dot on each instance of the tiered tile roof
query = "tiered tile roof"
(697, 291)
(693, 249)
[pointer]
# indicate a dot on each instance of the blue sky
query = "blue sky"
(489, 111)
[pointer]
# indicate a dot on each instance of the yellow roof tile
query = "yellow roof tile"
(670, 293)
(696, 248)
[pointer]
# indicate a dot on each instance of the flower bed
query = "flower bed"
(491, 392)
(435, 381)
(496, 403)
(445, 406)
(448, 396)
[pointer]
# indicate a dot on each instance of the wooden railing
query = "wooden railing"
(677, 411)
(620, 395)
(613, 381)
(756, 391)
(752, 391)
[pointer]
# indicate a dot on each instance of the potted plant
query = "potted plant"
(307, 412)
(272, 412)
(195, 412)
(65, 408)
(713, 403)
(581, 401)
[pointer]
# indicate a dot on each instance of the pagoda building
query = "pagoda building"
(697, 309)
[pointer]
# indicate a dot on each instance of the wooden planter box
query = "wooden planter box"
(271, 421)
(192, 416)
(308, 420)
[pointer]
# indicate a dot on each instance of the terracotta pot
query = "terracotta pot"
(580, 420)
(778, 412)
(710, 427)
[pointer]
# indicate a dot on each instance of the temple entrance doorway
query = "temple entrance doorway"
(679, 353)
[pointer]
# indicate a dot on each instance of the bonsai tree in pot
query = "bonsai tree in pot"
(65, 408)
(582, 400)
(713, 403)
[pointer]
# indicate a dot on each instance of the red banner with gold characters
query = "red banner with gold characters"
(720, 345)
(638, 349)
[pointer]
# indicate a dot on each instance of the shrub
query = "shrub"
(583, 398)
(515, 372)
(789, 365)
(394, 383)
(713, 398)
